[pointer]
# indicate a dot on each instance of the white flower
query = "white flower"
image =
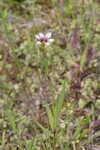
(44, 38)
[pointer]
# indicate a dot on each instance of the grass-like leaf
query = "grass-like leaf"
(58, 105)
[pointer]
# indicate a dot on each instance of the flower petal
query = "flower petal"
(37, 37)
(41, 35)
(48, 35)
(50, 40)
(38, 42)
(47, 43)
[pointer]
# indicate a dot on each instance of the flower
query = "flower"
(44, 38)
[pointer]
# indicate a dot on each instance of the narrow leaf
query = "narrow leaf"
(50, 117)
(59, 104)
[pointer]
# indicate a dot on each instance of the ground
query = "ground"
(49, 75)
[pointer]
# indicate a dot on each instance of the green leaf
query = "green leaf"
(50, 117)
(58, 105)
(39, 125)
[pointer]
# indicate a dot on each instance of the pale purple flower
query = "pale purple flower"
(44, 38)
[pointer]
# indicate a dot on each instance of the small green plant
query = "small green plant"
(54, 111)
(54, 116)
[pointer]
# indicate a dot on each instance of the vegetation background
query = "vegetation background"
(50, 94)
